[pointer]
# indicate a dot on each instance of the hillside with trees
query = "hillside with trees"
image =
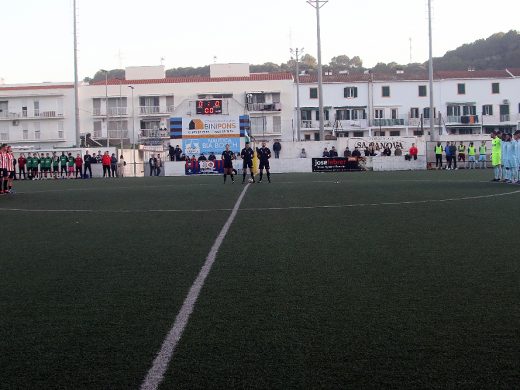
(499, 51)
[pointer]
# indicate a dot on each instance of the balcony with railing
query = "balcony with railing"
(463, 120)
(112, 111)
(117, 134)
(383, 122)
(155, 110)
(51, 114)
(416, 122)
(262, 107)
(154, 133)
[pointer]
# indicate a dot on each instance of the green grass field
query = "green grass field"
(334, 281)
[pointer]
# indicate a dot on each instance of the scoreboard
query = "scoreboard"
(209, 107)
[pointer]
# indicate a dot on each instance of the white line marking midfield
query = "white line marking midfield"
(156, 374)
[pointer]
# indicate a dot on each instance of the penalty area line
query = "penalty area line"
(160, 364)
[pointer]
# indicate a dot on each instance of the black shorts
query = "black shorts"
(247, 164)
(4, 172)
(228, 166)
(12, 174)
(35, 169)
(55, 168)
(264, 164)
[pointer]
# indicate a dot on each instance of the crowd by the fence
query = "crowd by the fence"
(369, 151)
(41, 166)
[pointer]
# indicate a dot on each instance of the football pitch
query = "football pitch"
(333, 281)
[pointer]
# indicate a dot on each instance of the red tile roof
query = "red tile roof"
(202, 79)
(340, 78)
(33, 87)
(477, 74)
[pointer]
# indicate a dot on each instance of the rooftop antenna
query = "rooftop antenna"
(162, 60)
(214, 59)
(411, 50)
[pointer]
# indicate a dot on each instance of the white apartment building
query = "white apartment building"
(37, 116)
(465, 102)
(144, 102)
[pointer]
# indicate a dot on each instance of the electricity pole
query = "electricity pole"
(76, 85)
(318, 4)
(430, 71)
(297, 52)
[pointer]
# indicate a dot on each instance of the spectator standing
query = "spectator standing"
(387, 151)
(482, 152)
(277, 147)
(453, 151)
(413, 152)
(151, 162)
(356, 153)
(87, 164)
(113, 165)
(178, 153)
(398, 151)
(158, 165)
(121, 166)
(438, 155)
(99, 157)
(303, 153)
(106, 161)
(171, 152)
(22, 162)
(79, 166)
(202, 157)
(325, 153)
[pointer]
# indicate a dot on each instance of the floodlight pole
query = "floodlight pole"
(430, 72)
(106, 103)
(76, 81)
(133, 127)
(318, 4)
(297, 52)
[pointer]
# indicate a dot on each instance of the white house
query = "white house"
(146, 99)
(35, 116)
(465, 102)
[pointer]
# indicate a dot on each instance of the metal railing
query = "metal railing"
(264, 106)
(154, 133)
(463, 119)
(388, 122)
(25, 115)
(116, 134)
(153, 110)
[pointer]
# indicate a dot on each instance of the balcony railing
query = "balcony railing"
(505, 118)
(149, 133)
(155, 110)
(264, 106)
(117, 111)
(416, 122)
(463, 119)
(352, 124)
(118, 134)
(26, 115)
(388, 122)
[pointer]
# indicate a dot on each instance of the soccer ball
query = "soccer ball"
(250, 180)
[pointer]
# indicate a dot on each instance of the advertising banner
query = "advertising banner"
(206, 134)
(337, 164)
(380, 143)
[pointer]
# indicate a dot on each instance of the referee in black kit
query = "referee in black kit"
(228, 156)
(264, 154)
(247, 156)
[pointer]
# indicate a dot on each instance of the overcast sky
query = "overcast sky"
(37, 34)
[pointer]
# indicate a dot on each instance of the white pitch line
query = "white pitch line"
(338, 206)
(156, 374)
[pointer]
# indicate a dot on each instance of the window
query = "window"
(37, 130)
(60, 129)
(422, 90)
(469, 110)
(495, 88)
(487, 109)
(453, 110)
(25, 134)
(24, 112)
(326, 112)
(395, 133)
(379, 113)
(385, 91)
(313, 93)
(277, 124)
(306, 115)
(418, 133)
(426, 112)
(359, 134)
(4, 136)
(414, 112)
(36, 105)
(394, 113)
(350, 92)
(461, 89)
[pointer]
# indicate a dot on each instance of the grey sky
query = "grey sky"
(37, 34)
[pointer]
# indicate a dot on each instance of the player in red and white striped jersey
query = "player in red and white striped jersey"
(10, 169)
(4, 173)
